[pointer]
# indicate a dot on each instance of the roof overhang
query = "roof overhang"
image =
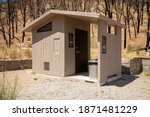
(86, 16)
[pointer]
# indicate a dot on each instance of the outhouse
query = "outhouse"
(61, 42)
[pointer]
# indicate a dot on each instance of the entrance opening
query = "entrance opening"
(81, 50)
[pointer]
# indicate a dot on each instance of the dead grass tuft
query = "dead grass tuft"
(8, 91)
(15, 53)
(28, 53)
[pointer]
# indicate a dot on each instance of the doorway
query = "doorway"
(81, 50)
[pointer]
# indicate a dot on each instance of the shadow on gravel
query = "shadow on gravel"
(126, 79)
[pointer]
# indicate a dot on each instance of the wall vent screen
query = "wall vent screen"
(46, 66)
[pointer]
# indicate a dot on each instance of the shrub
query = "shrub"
(7, 91)
(147, 73)
(29, 39)
(129, 47)
(28, 53)
(14, 54)
(29, 45)
(137, 52)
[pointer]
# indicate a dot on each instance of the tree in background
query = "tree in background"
(148, 24)
(9, 21)
(22, 4)
(2, 24)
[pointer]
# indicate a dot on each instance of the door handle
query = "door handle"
(78, 52)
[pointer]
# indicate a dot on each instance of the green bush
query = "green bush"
(7, 91)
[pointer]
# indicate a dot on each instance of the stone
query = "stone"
(7, 65)
(132, 66)
(135, 66)
(146, 65)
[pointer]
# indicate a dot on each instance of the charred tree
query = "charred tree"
(148, 25)
(9, 22)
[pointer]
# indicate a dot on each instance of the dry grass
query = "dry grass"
(17, 50)
(15, 53)
(8, 91)
(94, 54)
(147, 73)
(127, 54)
(28, 53)
(93, 42)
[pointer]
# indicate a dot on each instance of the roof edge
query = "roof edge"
(97, 16)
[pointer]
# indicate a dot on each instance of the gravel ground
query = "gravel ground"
(37, 87)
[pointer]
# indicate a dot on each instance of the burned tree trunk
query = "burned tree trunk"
(148, 41)
(9, 22)
(125, 37)
(148, 25)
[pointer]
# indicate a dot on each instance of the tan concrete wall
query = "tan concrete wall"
(109, 63)
(111, 53)
(45, 45)
(71, 24)
(118, 51)
(114, 54)
(102, 58)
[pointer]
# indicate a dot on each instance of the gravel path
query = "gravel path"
(128, 87)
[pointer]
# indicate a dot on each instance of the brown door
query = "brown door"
(81, 51)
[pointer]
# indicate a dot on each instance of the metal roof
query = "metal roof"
(86, 16)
